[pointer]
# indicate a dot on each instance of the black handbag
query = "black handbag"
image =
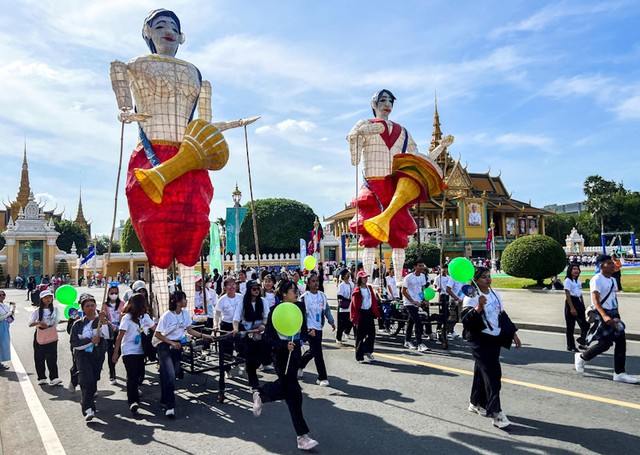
(148, 348)
(507, 329)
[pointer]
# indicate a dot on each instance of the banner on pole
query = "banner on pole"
(303, 252)
(215, 261)
(231, 226)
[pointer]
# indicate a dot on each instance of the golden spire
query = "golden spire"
(436, 136)
(80, 219)
(25, 188)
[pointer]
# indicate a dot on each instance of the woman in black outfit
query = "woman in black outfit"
(286, 359)
(574, 310)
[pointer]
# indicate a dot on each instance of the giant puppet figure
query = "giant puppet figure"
(168, 186)
(396, 176)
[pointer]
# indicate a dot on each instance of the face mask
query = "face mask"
(113, 297)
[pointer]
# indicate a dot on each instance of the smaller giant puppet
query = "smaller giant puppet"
(396, 176)
(168, 187)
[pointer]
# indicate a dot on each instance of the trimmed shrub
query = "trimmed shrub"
(535, 256)
(428, 252)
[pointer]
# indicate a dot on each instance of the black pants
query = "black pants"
(89, 365)
(414, 319)
(571, 320)
(365, 334)
(111, 346)
(344, 324)
(169, 360)
(225, 352)
(603, 345)
(315, 352)
(133, 363)
(487, 373)
(286, 387)
(46, 354)
(254, 352)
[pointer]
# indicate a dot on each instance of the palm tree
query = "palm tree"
(600, 194)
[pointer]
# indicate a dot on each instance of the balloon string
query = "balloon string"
(286, 370)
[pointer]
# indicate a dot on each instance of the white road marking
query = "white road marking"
(52, 444)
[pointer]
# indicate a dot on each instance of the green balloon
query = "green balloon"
(66, 294)
(309, 262)
(429, 293)
(287, 319)
(461, 270)
(74, 307)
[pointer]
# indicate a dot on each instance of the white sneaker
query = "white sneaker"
(579, 362)
(477, 410)
(454, 335)
(423, 348)
(369, 356)
(133, 407)
(340, 342)
(409, 345)
(624, 377)
(56, 381)
(300, 373)
(89, 415)
(42, 382)
(433, 336)
(500, 420)
(257, 404)
(305, 442)
(323, 383)
(170, 412)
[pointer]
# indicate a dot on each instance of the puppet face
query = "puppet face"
(384, 106)
(165, 35)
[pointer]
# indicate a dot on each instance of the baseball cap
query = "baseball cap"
(252, 284)
(84, 297)
(198, 277)
(46, 293)
(362, 274)
(137, 285)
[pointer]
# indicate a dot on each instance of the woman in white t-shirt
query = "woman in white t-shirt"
(45, 343)
(317, 306)
(482, 312)
(223, 323)
(134, 323)
(574, 310)
(172, 330)
(345, 289)
(268, 291)
(113, 309)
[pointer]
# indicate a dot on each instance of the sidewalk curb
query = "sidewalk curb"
(539, 327)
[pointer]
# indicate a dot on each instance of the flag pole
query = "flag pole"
(253, 210)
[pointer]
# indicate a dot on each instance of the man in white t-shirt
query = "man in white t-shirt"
(412, 291)
(608, 328)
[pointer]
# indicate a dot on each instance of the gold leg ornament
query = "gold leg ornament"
(203, 147)
(416, 175)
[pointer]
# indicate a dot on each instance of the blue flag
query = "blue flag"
(91, 254)
(231, 226)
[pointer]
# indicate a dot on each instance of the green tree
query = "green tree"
(103, 244)
(281, 225)
(429, 253)
(600, 195)
(71, 232)
(534, 256)
(2, 241)
(559, 225)
(129, 240)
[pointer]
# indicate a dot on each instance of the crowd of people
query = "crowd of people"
(238, 310)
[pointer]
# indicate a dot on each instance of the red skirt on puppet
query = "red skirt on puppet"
(175, 228)
(380, 191)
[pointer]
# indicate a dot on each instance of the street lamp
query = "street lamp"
(236, 196)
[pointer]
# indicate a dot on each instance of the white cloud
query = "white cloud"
(293, 125)
(515, 140)
(629, 108)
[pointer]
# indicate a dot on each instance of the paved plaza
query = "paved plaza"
(404, 402)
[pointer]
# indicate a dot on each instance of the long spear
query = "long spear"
(253, 210)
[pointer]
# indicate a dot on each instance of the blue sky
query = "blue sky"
(546, 92)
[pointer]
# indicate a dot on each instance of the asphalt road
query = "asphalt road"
(404, 402)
